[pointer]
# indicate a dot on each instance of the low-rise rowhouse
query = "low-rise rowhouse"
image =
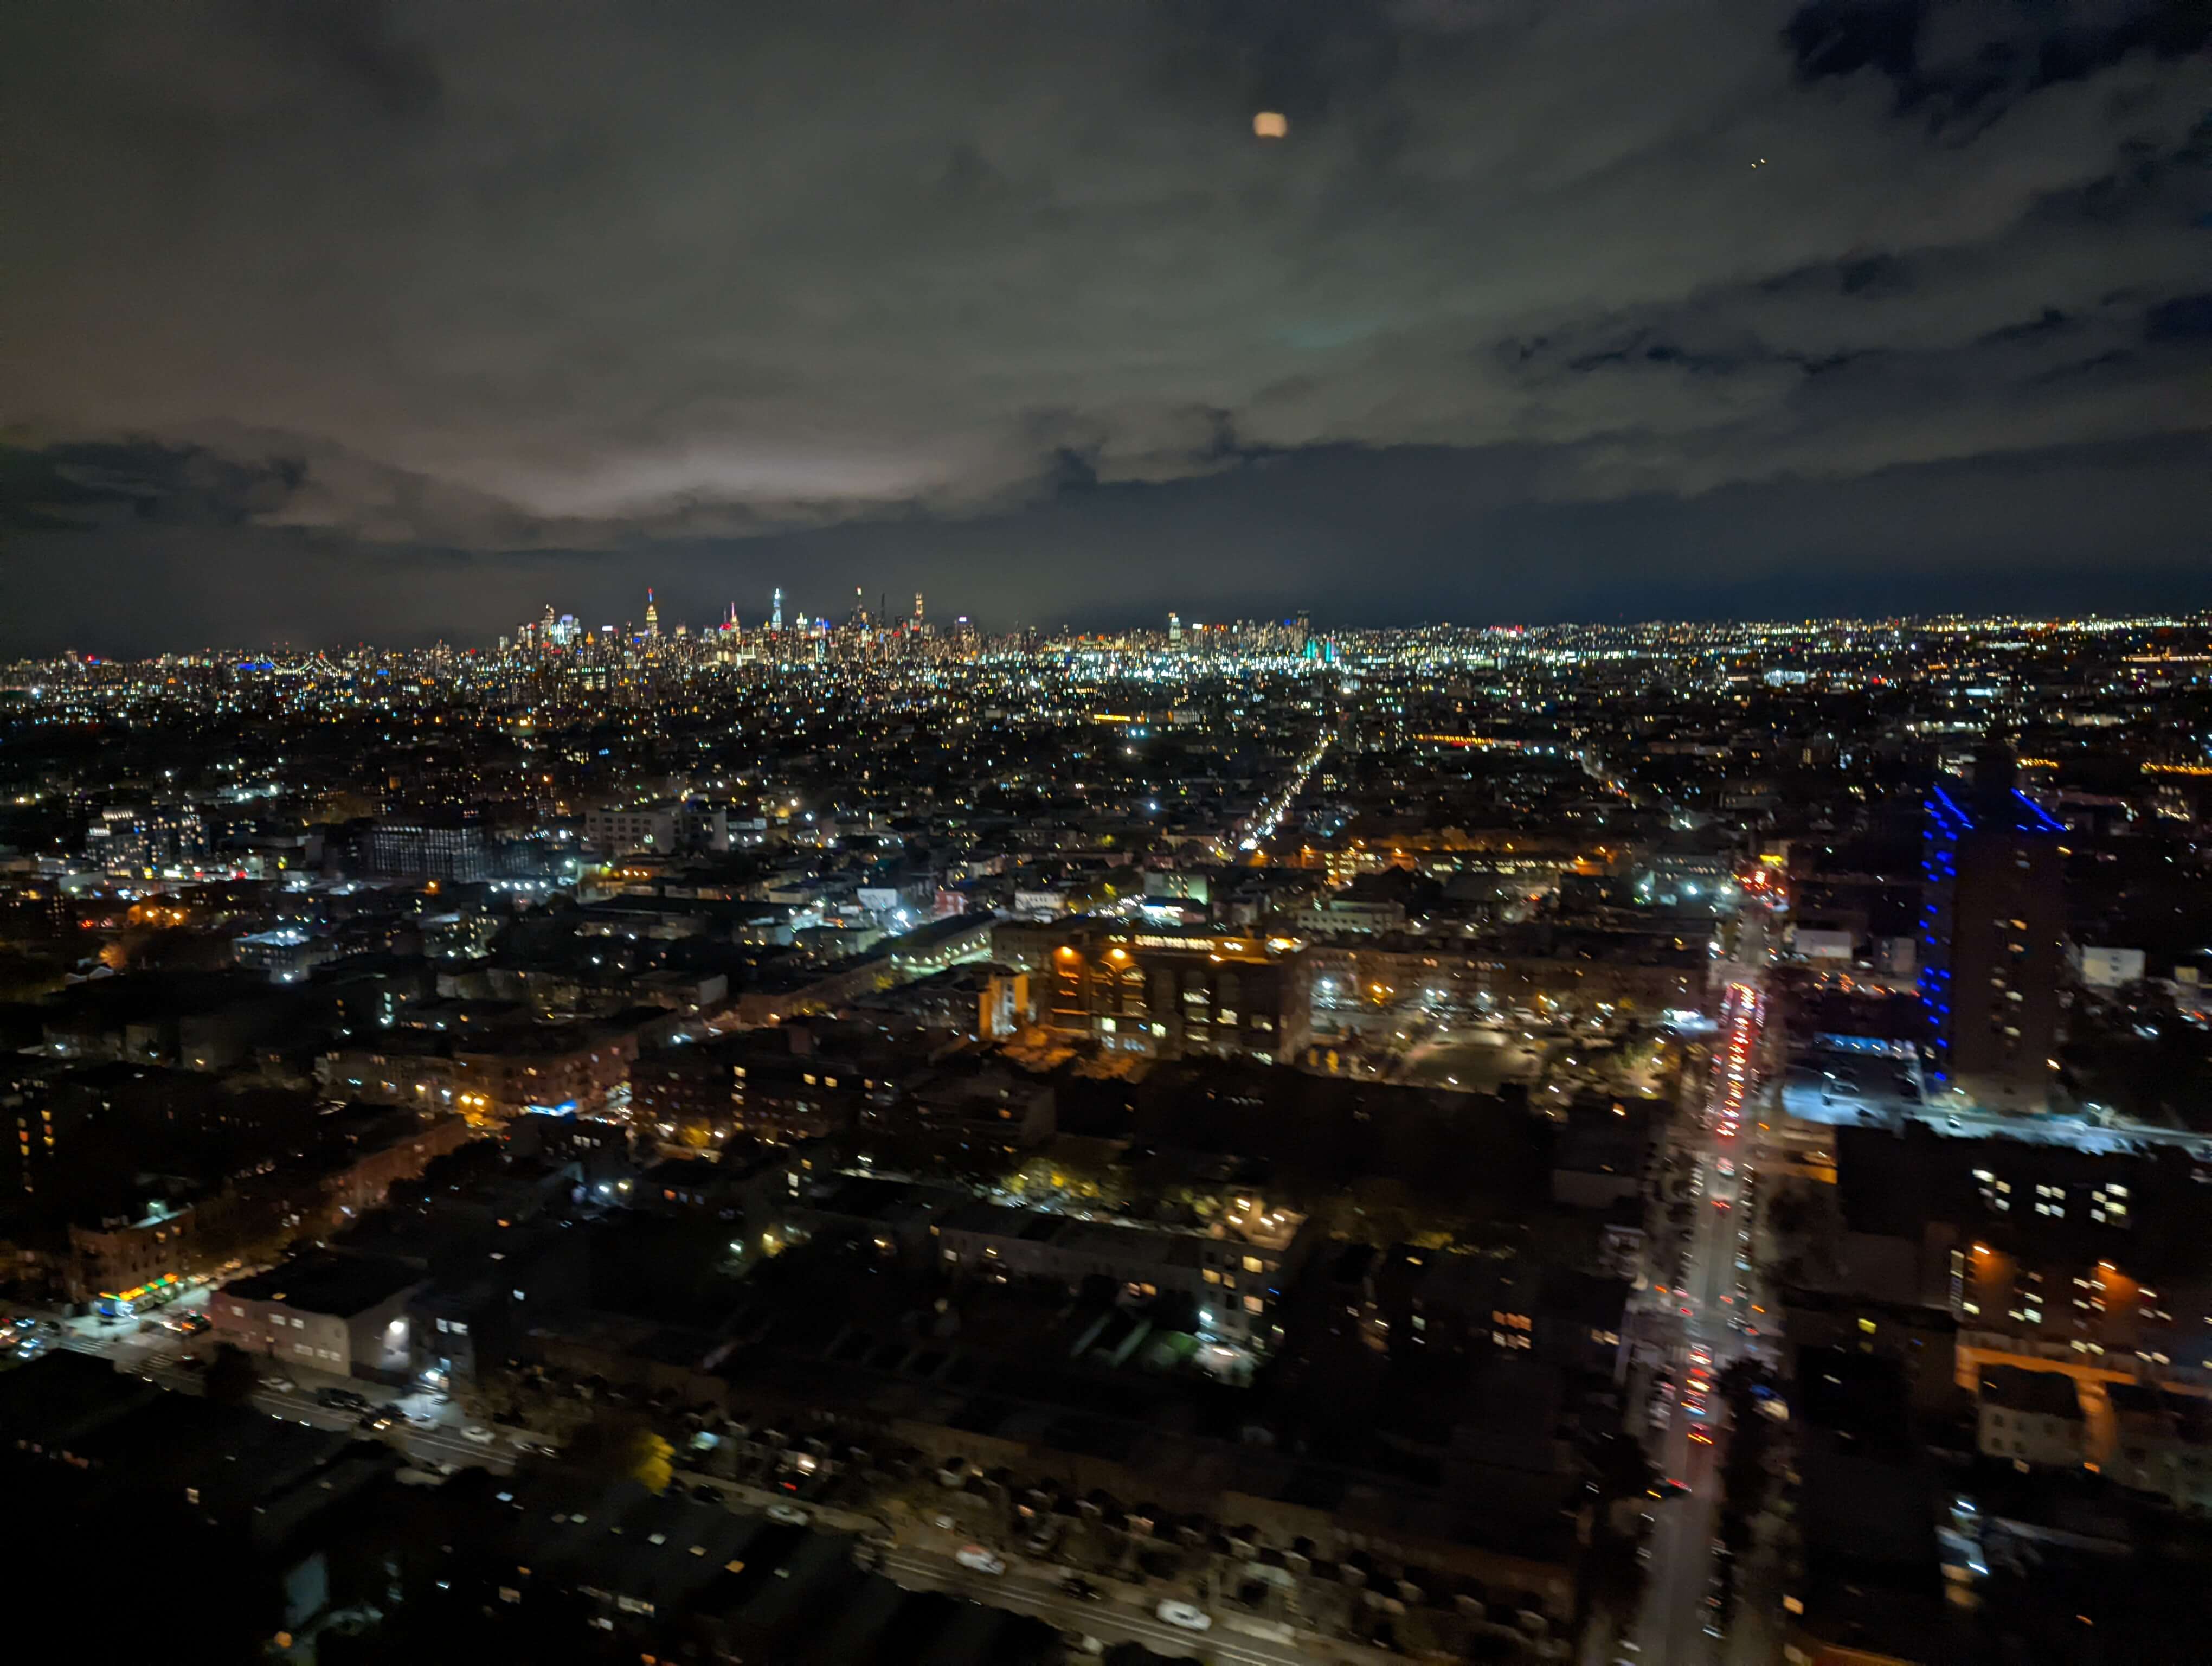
(762, 1191)
(345, 1314)
(981, 1106)
(382, 1149)
(1235, 1274)
(2161, 1444)
(543, 1068)
(122, 1262)
(736, 1086)
(2032, 1417)
(133, 1263)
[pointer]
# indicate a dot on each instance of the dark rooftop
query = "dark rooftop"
(339, 1286)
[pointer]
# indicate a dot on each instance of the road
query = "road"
(156, 1357)
(920, 1557)
(1024, 1591)
(1677, 1627)
(1255, 831)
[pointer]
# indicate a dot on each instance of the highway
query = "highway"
(1677, 1627)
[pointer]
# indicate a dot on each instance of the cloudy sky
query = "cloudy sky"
(326, 321)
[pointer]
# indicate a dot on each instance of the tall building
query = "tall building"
(776, 615)
(1174, 630)
(435, 844)
(652, 616)
(1993, 916)
(917, 612)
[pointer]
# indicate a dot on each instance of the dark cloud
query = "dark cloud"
(586, 292)
(92, 484)
(1974, 59)
(2184, 318)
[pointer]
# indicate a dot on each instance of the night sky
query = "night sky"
(320, 322)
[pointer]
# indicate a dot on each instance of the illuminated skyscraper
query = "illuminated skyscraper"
(775, 614)
(1992, 920)
(917, 612)
(652, 616)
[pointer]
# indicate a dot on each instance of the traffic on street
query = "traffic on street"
(1709, 1319)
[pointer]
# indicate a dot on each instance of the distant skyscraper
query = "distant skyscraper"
(652, 616)
(917, 612)
(775, 615)
(1993, 917)
(1174, 630)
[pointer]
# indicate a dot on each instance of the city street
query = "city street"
(1677, 1626)
(157, 1356)
(1259, 827)
(1111, 1619)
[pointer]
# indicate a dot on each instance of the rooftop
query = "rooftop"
(336, 1285)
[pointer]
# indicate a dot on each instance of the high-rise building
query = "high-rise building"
(1174, 630)
(775, 614)
(445, 844)
(1993, 917)
(917, 612)
(652, 616)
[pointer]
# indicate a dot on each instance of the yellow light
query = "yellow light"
(1271, 125)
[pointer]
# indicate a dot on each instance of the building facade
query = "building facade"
(1171, 993)
(1993, 925)
(343, 1314)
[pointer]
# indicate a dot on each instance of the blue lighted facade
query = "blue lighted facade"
(1990, 931)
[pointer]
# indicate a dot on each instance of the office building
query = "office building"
(443, 845)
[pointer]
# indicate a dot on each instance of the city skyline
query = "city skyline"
(698, 642)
